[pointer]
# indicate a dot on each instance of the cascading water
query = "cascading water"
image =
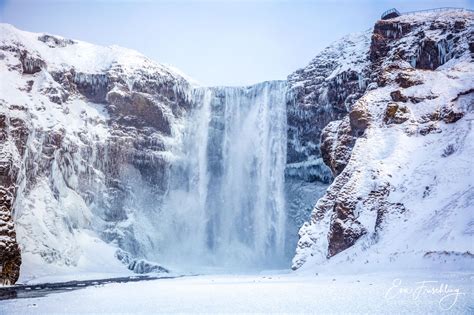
(226, 206)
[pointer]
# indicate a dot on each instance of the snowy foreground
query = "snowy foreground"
(413, 292)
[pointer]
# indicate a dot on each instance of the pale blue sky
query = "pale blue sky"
(215, 42)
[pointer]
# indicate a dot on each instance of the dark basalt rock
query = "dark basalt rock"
(341, 237)
(11, 129)
(138, 110)
(53, 41)
(31, 64)
(94, 86)
(429, 55)
(317, 98)
(450, 115)
(427, 51)
(397, 96)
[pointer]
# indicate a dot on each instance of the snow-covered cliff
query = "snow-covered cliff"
(402, 156)
(86, 147)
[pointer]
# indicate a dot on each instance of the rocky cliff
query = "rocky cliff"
(403, 182)
(86, 138)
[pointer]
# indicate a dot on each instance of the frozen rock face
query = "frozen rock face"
(13, 136)
(422, 40)
(322, 92)
(404, 184)
(85, 148)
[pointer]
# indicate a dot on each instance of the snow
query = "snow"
(82, 56)
(96, 261)
(388, 293)
(441, 14)
(352, 49)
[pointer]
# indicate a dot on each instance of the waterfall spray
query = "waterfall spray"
(226, 205)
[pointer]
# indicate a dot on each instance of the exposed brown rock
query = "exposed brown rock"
(396, 114)
(336, 144)
(405, 80)
(359, 119)
(138, 110)
(397, 96)
(343, 234)
(384, 33)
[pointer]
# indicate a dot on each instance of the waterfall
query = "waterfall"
(225, 207)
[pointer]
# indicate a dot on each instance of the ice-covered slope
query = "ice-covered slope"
(404, 191)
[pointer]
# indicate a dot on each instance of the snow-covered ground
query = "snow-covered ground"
(376, 293)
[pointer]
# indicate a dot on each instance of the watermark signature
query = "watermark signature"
(448, 295)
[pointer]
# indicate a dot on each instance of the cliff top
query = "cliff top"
(59, 52)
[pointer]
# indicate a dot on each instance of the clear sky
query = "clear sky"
(215, 42)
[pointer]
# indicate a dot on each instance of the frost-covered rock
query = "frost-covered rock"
(322, 92)
(13, 137)
(319, 93)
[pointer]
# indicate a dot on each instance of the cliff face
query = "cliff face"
(395, 153)
(322, 92)
(13, 136)
(86, 133)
